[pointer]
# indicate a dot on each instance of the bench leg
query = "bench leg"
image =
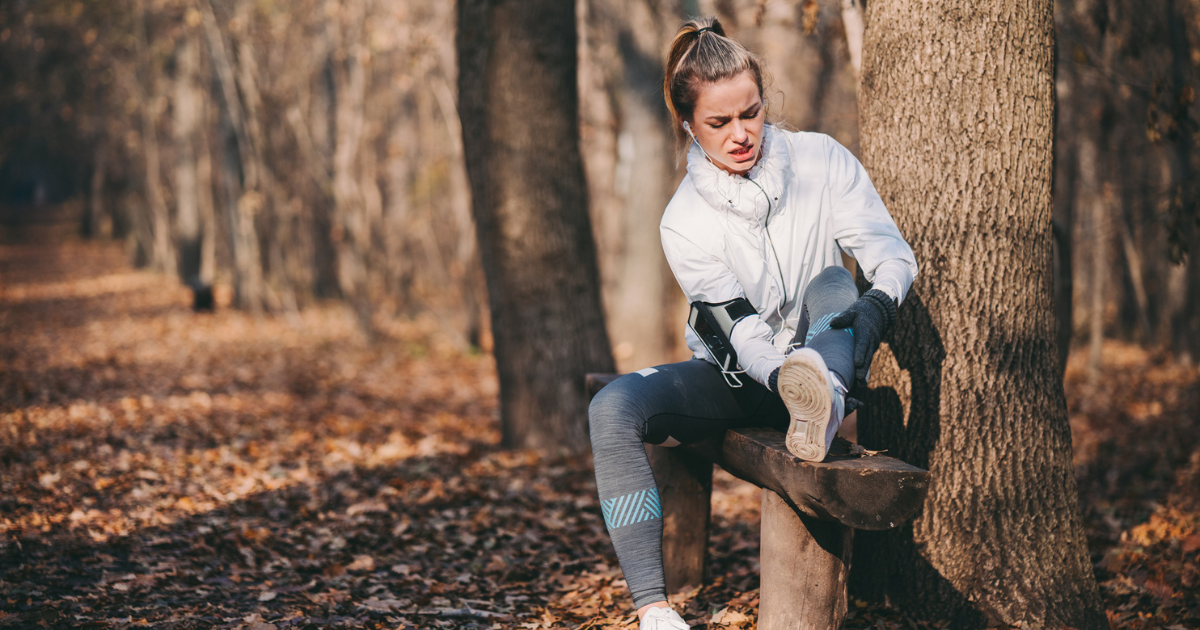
(685, 485)
(804, 565)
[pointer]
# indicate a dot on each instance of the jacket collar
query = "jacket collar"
(738, 194)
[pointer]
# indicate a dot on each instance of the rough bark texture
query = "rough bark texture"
(519, 108)
(958, 110)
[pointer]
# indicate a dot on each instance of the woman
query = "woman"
(754, 236)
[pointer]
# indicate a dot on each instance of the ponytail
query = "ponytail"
(700, 54)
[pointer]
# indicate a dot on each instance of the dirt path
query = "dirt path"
(192, 471)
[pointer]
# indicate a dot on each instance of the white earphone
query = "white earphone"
(688, 128)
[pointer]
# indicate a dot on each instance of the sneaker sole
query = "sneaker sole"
(804, 388)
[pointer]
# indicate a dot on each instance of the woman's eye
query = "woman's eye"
(716, 125)
(750, 116)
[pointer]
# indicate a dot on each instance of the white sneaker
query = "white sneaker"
(814, 401)
(662, 619)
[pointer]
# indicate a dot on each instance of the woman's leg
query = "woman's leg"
(813, 380)
(672, 404)
(830, 293)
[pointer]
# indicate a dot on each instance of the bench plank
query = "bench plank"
(875, 492)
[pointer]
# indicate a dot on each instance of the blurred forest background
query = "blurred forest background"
(338, 461)
(299, 150)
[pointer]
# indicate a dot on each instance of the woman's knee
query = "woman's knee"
(832, 290)
(615, 413)
(835, 275)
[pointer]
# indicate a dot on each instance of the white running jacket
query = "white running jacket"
(765, 235)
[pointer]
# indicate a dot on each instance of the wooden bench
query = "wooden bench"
(809, 515)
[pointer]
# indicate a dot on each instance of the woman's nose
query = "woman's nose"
(739, 132)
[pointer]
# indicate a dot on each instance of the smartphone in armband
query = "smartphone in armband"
(713, 323)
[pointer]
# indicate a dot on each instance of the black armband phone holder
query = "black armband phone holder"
(713, 324)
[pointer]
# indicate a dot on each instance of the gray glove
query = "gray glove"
(868, 319)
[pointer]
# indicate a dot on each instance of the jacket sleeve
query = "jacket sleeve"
(863, 228)
(705, 278)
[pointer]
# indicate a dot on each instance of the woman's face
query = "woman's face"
(728, 122)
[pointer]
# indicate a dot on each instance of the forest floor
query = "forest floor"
(166, 469)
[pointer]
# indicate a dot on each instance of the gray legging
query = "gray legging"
(684, 403)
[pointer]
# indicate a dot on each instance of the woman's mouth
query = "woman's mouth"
(742, 154)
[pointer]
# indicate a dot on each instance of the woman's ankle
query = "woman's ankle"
(641, 612)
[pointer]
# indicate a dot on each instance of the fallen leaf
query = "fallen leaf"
(362, 563)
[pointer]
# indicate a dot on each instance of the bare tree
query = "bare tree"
(631, 165)
(149, 77)
(186, 105)
(519, 108)
(969, 385)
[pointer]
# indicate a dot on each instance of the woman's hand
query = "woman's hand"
(868, 319)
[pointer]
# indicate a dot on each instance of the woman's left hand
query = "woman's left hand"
(868, 319)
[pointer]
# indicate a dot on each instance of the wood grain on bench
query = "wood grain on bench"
(875, 492)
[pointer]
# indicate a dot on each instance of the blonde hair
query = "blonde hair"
(702, 54)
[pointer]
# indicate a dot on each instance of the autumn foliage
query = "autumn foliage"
(167, 469)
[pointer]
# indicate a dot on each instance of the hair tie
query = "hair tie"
(701, 31)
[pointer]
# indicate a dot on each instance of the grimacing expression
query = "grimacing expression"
(728, 122)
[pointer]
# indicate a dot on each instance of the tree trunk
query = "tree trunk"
(958, 112)
(187, 187)
(98, 222)
(629, 156)
(1097, 212)
(243, 201)
(351, 227)
(150, 83)
(1095, 147)
(206, 135)
(852, 21)
(1184, 207)
(1066, 180)
(519, 109)
(1137, 281)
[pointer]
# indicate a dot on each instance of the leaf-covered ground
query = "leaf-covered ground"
(166, 469)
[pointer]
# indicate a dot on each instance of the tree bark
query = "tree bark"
(185, 126)
(267, 199)
(1066, 179)
(852, 21)
(519, 107)
(150, 84)
(630, 156)
(243, 200)
(1097, 212)
(351, 227)
(99, 221)
(958, 112)
(1187, 220)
